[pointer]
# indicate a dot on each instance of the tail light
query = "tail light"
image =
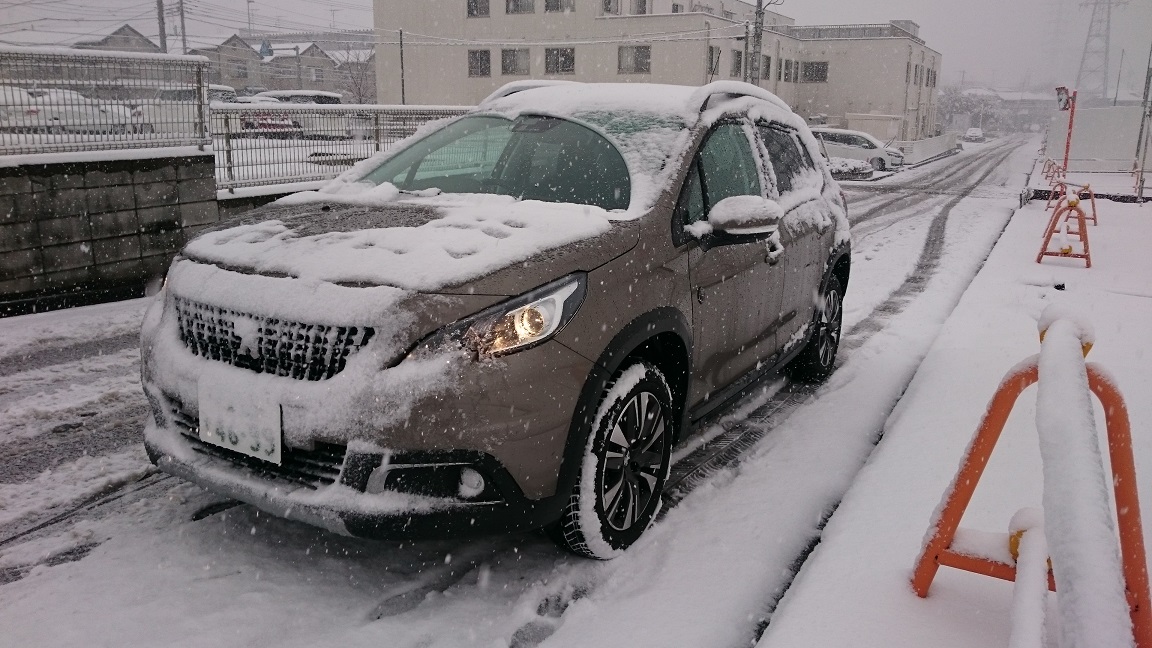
(32, 112)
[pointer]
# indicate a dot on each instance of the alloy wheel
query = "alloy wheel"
(633, 460)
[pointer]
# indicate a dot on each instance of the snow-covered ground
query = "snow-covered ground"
(855, 589)
(160, 562)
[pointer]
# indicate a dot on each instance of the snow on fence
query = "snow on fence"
(261, 144)
(57, 100)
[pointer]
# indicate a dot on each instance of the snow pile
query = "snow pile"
(1085, 557)
(839, 166)
(476, 235)
(1029, 598)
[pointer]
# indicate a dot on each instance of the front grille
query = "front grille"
(310, 468)
(268, 345)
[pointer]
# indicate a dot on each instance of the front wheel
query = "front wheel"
(877, 163)
(617, 493)
(816, 361)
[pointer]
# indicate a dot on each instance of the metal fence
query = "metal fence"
(55, 100)
(262, 144)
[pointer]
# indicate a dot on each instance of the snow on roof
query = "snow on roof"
(299, 93)
(352, 55)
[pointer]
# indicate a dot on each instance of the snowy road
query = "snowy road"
(96, 548)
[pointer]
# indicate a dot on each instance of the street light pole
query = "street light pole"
(163, 29)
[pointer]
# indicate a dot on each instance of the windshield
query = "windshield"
(532, 158)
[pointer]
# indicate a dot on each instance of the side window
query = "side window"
(863, 142)
(785, 155)
(727, 166)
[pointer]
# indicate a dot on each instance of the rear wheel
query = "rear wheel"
(816, 361)
(617, 494)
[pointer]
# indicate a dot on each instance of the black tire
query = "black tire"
(878, 163)
(625, 464)
(816, 362)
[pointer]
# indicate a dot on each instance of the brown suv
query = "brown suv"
(506, 321)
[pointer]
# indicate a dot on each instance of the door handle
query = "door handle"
(775, 251)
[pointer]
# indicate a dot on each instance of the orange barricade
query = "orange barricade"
(938, 550)
(1060, 218)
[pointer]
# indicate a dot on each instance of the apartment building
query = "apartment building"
(459, 51)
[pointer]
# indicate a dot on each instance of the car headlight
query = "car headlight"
(517, 324)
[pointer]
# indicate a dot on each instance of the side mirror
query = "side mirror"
(745, 215)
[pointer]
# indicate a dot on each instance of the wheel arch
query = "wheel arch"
(662, 337)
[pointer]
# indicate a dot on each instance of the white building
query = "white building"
(459, 51)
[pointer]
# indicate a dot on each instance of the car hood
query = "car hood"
(463, 245)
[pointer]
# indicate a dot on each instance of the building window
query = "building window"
(317, 75)
(514, 62)
(479, 63)
(556, 6)
(737, 63)
(477, 8)
(766, 68)
(814, 72)
(713, 64)
(519, 6)
(560, 60)
(677, 7)
(635, 59)
(788, 71)
(639, 7)
(240, 69)
(612, 7)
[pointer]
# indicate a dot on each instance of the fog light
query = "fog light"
(471, 483)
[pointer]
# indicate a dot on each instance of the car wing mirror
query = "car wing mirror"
(745, 215)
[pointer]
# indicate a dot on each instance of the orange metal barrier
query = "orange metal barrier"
(1060, 217)
(938, 550)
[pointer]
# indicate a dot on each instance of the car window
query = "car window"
(785, 155)
(727, 167)
(533, 158)
(864, 142)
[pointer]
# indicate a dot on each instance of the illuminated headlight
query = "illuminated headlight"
(517, 324)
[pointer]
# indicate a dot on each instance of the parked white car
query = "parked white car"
(315, 125)
(173, 109)
(54, 111)
(856, 145)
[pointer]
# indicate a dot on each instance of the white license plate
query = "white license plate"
(240, 422)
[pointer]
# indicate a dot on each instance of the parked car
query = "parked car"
(174, 109)
(265, 122)
(316, 125)
(856, 145)
(973, 135)
(506, 323)
(53, 110)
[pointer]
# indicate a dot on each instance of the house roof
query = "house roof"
(125, 33)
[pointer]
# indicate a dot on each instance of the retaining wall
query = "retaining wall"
(80, 231)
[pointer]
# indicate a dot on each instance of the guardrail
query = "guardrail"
(57, 99)
(261, 144)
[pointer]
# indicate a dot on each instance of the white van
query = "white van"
(856, 145)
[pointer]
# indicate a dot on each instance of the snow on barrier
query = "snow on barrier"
(1095, 581)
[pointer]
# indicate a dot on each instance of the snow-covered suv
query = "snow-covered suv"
(506, 321)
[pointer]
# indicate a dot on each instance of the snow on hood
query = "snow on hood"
(473, 235)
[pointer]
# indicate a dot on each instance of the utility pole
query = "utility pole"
(163, 29)
(1119, 71)
(1145, 116)
(757, 42)
(183, 30)
(299, 70)
(403, 96)
(250, 2)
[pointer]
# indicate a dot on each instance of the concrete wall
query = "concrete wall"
(76, 228)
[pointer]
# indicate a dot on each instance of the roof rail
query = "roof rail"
(513, 87)
(699, 100)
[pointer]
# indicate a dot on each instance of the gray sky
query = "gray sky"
(990, 42)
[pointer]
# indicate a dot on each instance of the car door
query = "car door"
(805, 231)
(736, 291)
